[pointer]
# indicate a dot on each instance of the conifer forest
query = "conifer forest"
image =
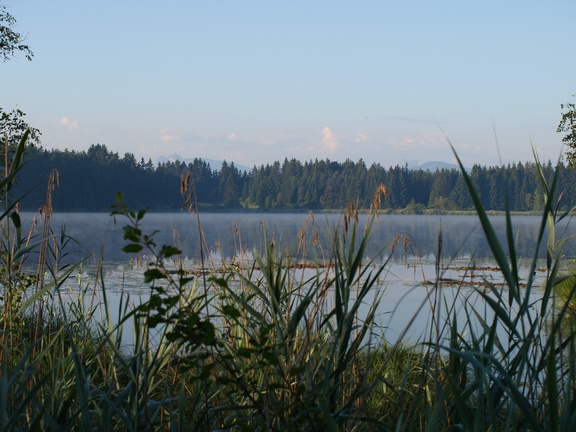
(89, 181)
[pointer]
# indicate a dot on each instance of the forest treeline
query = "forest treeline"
(89, 181)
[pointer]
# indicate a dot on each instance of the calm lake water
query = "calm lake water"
(97, 234)
(226, 236)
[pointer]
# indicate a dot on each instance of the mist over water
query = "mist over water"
(224, 235)
(227, 234)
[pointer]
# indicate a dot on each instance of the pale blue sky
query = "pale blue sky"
(257, 81)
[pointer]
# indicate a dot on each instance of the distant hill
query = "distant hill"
(214, 164)
(434, 165)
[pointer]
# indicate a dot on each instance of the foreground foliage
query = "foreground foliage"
(262, 343)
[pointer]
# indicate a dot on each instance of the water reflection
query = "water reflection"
(406, 301)
(300, 235)
(410, 303)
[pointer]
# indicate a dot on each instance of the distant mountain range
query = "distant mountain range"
(434, 165)
(216, 165)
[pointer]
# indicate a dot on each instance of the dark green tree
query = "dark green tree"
(332, 196)
(460, 195)
(442, 186)
(229, 186)
(291, 174)
(568, 126)
(396, 185)
(496, 185)
(12, 125)
(375, 176)
(11, 42)
(419, 187)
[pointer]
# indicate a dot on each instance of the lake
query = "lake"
(226, 236)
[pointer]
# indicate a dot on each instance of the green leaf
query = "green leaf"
(270, 356)
(16, 219)
(17, 159)
(209, 332)
(185, 280)
(244, 352)
(132, 248)
(155, 301)
(132, 233)
(153, 274)
(231, 311)
(154, 320)
(172, 301)
(17, 224)
(275, 386)
(221, 282)
(168, 251)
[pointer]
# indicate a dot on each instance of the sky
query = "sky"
(253, 82)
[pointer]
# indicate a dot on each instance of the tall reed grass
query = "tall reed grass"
(279, 342)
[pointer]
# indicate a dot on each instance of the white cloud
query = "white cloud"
(423, 141)
(330, 139)
(167, 135)
(68, 123)
(362, 137)
(232, 137)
